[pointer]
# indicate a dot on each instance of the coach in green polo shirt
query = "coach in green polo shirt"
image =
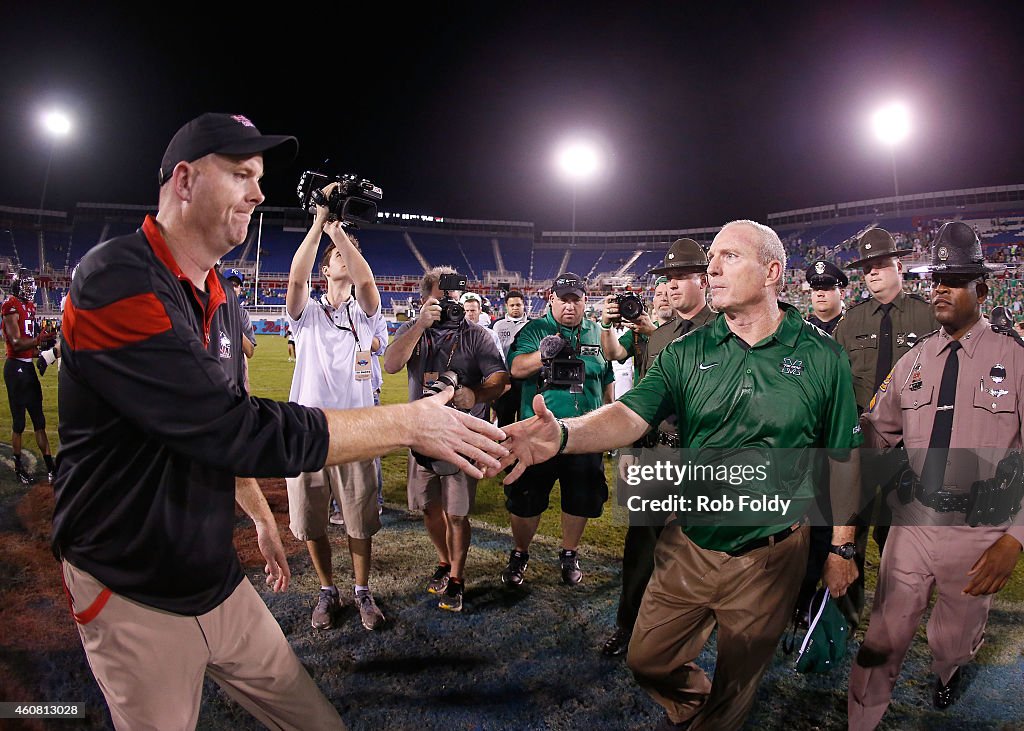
(759, 378)
(686, 285)
(581, 477)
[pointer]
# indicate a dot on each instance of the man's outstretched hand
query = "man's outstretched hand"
(530, 441)
(447, 434)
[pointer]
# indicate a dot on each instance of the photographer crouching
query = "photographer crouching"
(442, 347)
(559, 355)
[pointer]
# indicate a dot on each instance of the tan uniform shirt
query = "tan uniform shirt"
(987, 413)
(857, 332)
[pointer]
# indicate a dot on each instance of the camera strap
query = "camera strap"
(348, 316)
(426, 350)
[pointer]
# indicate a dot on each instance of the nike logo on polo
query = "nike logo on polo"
(709, 366)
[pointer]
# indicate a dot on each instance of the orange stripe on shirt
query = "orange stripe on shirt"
(116, 325)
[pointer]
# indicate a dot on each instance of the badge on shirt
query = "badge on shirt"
(362, 365)
(591, 350)
(998, 375)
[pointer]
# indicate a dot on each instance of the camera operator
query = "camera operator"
(507, 407)
(685, 267)
(441, 342)
(332, 369)
(561, 335)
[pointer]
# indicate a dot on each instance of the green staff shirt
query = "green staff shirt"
(791, 391)
(587, 339)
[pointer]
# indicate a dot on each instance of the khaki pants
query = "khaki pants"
(150, 663)
(917, 561)
(749, 597)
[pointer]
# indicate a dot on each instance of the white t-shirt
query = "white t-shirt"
(326, 343)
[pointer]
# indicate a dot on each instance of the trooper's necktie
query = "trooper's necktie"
(884, 364)
(934, 470)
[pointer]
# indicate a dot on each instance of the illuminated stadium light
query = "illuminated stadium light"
(56, 123)
(891, 123)
(578, 160)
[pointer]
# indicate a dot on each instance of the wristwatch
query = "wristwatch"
(847, 550)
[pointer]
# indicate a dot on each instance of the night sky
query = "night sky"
(456, 110)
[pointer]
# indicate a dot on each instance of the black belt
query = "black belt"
(941, 501)
(766, 541)
(945, 502)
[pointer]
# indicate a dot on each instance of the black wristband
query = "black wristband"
(565, 435)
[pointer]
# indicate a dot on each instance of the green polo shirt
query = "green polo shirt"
(791, 391)
(560, 401)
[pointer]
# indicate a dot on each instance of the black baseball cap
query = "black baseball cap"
(569, 283)
(226, 134)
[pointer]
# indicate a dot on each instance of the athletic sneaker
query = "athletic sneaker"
(513, 575)
(570, 562)
(371, 617)
(25, 478)
(439, 580)
(452, 597)
(49, 477)
(337, 518)
(328, 604)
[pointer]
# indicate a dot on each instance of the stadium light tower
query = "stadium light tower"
(57, 125)
(578, 161)
(892, 125)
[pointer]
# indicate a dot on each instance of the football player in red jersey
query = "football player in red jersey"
(23, 390)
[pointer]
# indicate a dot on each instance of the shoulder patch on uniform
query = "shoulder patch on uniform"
(885, 384)
(924, 337)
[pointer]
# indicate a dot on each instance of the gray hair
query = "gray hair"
(769, 245)
(433, 277)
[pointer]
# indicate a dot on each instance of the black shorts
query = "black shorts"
(24, 393)
(507, 407)
(580, 476)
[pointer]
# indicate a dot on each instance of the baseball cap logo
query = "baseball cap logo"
(242, 120)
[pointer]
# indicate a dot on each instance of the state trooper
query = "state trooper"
(955, 400)
(827, 282)
(875, 334)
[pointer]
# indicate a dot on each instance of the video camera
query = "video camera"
(631, 307)
(560, 365)
(452, 313)
(437, 466)
(353, 200)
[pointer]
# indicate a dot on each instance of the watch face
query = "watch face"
(847, 550)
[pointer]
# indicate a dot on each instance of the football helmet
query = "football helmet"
(23, 286)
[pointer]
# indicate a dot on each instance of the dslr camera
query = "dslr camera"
(353, 200)
(452, 312)
(560, 365)
(448, 378)
(631, 307)
(438, 466)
